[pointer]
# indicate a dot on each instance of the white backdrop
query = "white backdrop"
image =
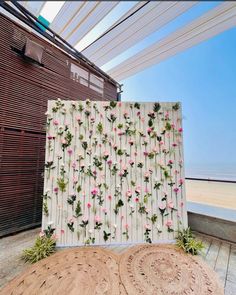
(114, 172)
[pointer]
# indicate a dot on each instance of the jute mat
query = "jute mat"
(82, 271)
(166, 270)
(143, 269)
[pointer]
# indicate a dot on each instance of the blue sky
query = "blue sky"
(202, 78)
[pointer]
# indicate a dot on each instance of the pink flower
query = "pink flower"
(41, 234)
(131, 162)
(62, 231)
(89, 205)
(97, 219)
(109, 197)
(136, 200)
(50, 137)
(106, 153)
(146, 174)
(155, 149)
(180, 130)
(181, 181)
(94, 191)
(131, 142)
(176, 190)
(167, 115)
(120, 133)
(169, 223)
(109, 162)
(75, 179)
(171, 162)
(174, 144)
(55, 190)
(128, 193)
(171, 205)
(119, 104)
(149, 130)
(115, 129)
(85, 219)
(138, 189)
(162, 206)
(182, 204)
(55, 122)
(145, 153)
(73, 165)
(124, 167)
(146, 190)
(147, 226)
(70, 151)
(138, 114)
(104, 210)
(126, 226)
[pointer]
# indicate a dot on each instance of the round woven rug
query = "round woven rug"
(74, 271)
(166, 270)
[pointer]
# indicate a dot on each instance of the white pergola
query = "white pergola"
(76, 19)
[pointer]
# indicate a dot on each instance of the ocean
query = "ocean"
(212, 171)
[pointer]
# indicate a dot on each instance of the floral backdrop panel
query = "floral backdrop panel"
(113, 172)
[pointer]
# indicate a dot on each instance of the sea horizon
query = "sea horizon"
(219, 171)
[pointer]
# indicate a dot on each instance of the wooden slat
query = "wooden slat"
(231, 274)
(222, 261)
(212, 254)
(230, 288)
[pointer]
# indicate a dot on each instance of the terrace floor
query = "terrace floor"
(218, 254)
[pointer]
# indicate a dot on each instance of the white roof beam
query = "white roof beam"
(94, 17)
(34, 7)
(147, 20)
(76, 19)
(67, 13)
(214, 22)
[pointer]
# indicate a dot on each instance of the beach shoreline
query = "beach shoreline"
(218, 194)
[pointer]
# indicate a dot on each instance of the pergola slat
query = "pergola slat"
(214, 22)
(76, 19)
(147, 20)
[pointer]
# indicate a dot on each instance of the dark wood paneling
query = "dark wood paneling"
(25, 89)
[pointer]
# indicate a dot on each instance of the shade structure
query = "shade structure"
(215, 21)
(146, 21)
(76, 19)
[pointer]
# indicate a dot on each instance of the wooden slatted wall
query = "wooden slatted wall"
(25, 89)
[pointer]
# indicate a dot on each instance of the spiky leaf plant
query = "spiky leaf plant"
(187, 241)
(43, 247)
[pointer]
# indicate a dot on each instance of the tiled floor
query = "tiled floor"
(220, 255)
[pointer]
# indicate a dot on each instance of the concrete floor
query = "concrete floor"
(220, 255)
(11, 249)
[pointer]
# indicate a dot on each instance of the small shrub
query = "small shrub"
(43, 247)
(188, 243)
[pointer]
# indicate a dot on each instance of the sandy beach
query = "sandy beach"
(211, 193)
